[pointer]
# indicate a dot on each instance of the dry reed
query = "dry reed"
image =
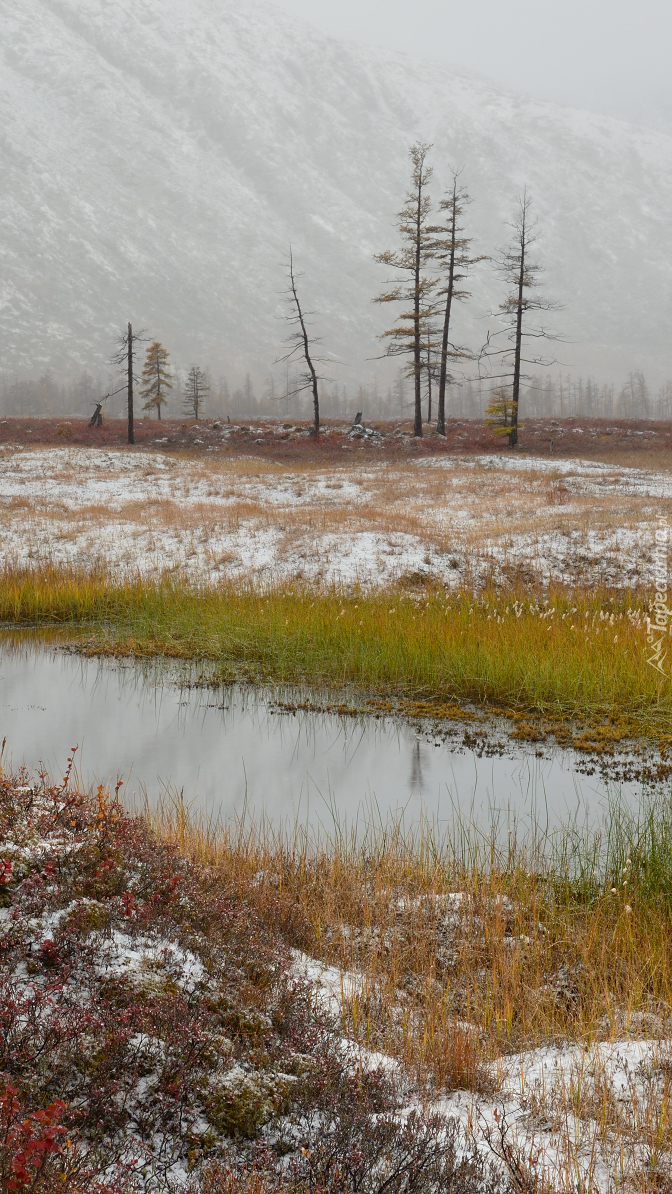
(471, 946)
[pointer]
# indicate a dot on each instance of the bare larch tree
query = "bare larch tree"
(521, 274)
(196, 391)
(302, 345)
(129, 384)
(124, 358)
(450, 249)
(410, 334)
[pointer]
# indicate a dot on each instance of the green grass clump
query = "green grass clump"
(571, 655)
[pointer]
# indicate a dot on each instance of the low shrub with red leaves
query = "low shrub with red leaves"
(37, 1154)
(137, 995)
(152, 1031)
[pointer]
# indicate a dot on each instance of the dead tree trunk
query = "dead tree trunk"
(443, 375)
(302, 345)
(417, 333)
(131, 428)
(451, 249)
(518, 347)
(429, 379)
(306, 349)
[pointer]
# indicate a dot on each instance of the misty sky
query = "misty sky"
(609, 55)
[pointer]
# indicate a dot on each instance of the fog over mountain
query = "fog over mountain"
(156, 157)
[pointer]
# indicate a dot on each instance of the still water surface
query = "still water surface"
(234, 752)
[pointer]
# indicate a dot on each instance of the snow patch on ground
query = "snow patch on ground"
(534, 1096)
(143, 513)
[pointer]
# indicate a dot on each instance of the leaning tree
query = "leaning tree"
(302, 345)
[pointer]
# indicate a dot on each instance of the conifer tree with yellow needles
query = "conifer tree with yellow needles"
(156, 378)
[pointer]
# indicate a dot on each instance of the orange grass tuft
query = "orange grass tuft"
(468, 951)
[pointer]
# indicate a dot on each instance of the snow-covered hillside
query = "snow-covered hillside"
(157, 155)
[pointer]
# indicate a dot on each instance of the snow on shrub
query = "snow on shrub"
(152, 1034)
(132, 983)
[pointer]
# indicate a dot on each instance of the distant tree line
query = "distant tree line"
(558, 395)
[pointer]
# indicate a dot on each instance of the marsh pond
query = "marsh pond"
(231, 751)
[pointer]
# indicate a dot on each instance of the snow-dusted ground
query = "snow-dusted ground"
(210, 519)
(576, 1115)
(580, 1117)
(587, 1118)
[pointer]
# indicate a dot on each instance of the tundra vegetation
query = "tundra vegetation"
(158, 1033)
(154, 1036)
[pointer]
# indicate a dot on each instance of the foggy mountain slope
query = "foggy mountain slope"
(157, 156)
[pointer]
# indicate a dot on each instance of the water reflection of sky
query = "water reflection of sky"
(233, 752)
